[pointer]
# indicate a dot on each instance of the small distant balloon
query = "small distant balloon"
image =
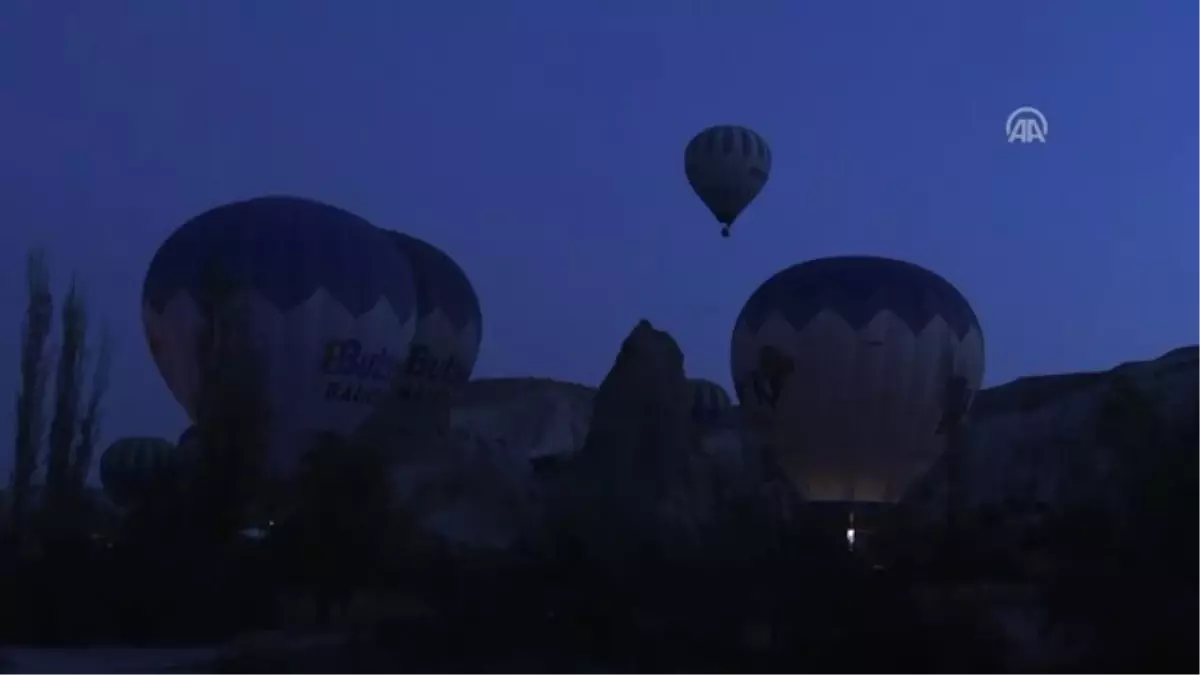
(709, 400)
(727, 166)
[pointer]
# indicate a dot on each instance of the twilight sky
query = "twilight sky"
(540, 143)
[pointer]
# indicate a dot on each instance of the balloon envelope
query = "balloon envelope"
(709, 400)
(328, 303)
(853, 367)
(727, 167)
(449, 324)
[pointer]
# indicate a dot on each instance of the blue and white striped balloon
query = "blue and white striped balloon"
(709, 400)
(329, 305)
(727, 166)
(853, 368)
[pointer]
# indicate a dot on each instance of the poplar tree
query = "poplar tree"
(31, 390)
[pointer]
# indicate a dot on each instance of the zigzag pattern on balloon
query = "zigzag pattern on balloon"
(441, 285)
(447, 338)
(297, 365)
(286, 249)
(858, 288)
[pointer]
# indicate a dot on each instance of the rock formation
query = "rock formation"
(632, 482)
(1041, 440)
(533, 417)
(633, 449)
(1032, 440)
(467, 490)
(547, 421)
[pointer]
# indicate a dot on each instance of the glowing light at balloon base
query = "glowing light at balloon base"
(855, 526)
(851, 368)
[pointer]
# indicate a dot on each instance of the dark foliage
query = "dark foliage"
(31, 393)
(60, 499)
(550, 608)
(752, 596)
(752, 593)
(335, 539)
(1124, 577)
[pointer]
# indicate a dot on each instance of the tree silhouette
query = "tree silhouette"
(31, 394)
(1126, 558)
(336, 539)
(60, 514)
(232, 413)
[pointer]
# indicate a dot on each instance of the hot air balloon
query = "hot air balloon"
(852, 369)
(709, 400)
(727, 166)
(449, 323)
(133, 469)
(326, 301)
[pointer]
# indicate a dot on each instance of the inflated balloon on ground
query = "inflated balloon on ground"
(449, 322)
(854, 368)
(709, 400)
(324, 300)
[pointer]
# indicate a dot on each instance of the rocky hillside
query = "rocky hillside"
(1050, 439)
(1031, 443)
(1034, 439)
(534, 417)
(522, 453)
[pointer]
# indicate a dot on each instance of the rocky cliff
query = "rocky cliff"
(633, 480)
(468, 488)
(533, 417)
(1033, 439)
(1048, 440)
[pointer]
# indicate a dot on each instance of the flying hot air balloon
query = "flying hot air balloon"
(134, 469)
(323, 298)
(449, 324)
(727, 167)
(853, 368)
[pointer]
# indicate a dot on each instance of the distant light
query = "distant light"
(850, 537)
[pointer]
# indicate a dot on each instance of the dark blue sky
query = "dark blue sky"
(540, 143)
